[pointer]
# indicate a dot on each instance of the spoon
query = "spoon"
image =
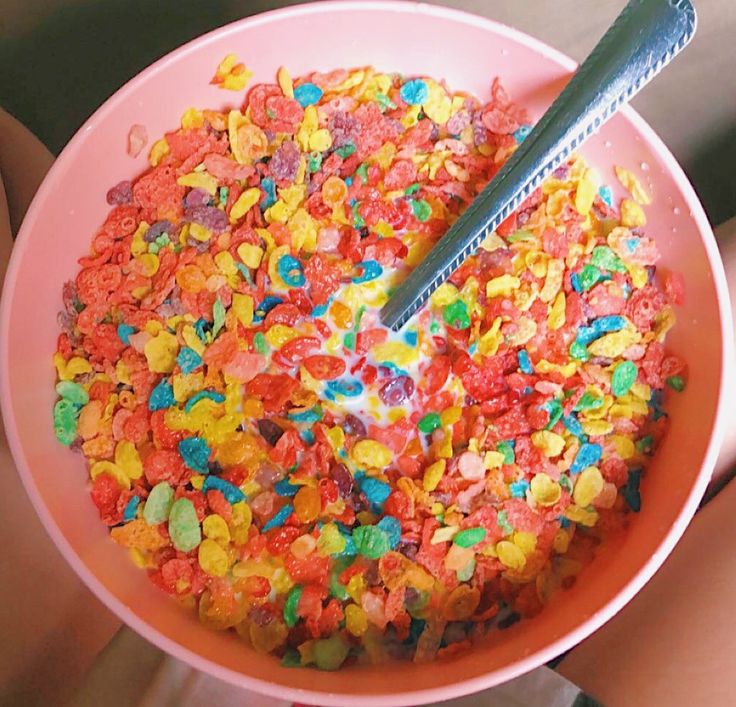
(644, 38)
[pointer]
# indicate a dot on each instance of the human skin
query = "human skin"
(672, 645)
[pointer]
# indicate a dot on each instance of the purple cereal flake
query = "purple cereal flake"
(353, 425)
(66, 322)
(197, 197)
(121, 193)
(285, 162)
(458, 122)
(157, 229)
(76, 445)
(480, 134)
(395, 126)
(260, 616)
(208, 216)
(270, 431)
(409, 549)
(69, 296)
(560, 172)
(371, 575)
(199, 246)
(343, 127)
(343, 479)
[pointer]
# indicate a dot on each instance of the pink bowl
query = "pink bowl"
(468, 51)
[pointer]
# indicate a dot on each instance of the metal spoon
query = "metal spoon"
(645, 37)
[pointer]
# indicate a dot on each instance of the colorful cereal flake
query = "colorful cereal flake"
(331, 490)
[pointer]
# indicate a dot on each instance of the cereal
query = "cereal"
(272, 455)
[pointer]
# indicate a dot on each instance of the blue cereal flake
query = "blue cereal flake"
(599, 327)
(231, 492)
(265, 307)
(347, 387)
(202, 326)
(268, 186)
(392, 527)
(525, 363)
(313, 414)
(522, 133)
(188, 360)
(201, 395)
(630, 491)
(564, 522)
(369, 270)
(196, 453)
(375, 490)
(575, 282)
(518, 488)
(307, 436)
(291, 271)
(131, 509)
(588, 455)
(307, 94)
(605, 193)
(162, 396)
(411, 338)
(631, 244)
(279, 519)
(573, 425)
(321, 309)
(124, 332)
(284, 488)
(414, 92)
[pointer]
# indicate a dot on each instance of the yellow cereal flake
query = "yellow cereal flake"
(549, 443)
(432, 475)
(553, 281)
(368, 453)
(231, 74)
(192, 118)
(445, 294)
(395, 352)
(556, 316)
(438, 106)
(502, 286)
(285, 82)
(585, 193)
(490, 341)
(159, 150)
(511, 555)
(199, 180)
(614, 344)
(545, 490)
(161, 351)
(632, 215)
(588, 485)
(631, 183)
(243, 204)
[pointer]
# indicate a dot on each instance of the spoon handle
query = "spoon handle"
(645, 37)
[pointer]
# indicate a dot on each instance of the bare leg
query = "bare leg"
(50, 636)
(673, 644)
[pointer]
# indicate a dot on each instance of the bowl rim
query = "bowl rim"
(417, 696)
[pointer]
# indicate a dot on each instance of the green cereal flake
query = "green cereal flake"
(158, 504)
(73, 392)
(183, 525)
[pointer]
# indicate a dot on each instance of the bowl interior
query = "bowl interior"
(410, 38)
